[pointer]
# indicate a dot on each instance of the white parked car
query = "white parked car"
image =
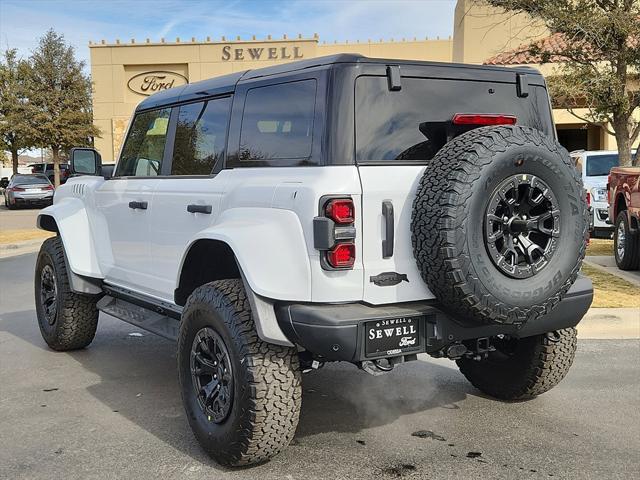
(333, 209)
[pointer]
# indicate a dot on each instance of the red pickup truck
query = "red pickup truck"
(624, 210)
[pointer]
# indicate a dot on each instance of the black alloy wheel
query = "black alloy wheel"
(522, 223)
(49, 294)
(212, 374)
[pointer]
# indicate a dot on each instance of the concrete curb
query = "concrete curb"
(20, 248)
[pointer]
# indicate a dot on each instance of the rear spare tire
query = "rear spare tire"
(500, 224)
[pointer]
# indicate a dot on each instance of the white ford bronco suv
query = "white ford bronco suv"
(334, 209)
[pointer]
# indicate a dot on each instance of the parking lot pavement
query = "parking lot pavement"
(18, 219)
(113, 410)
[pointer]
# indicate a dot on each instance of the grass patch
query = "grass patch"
(15, 236)
(599, 246)
(610, 291)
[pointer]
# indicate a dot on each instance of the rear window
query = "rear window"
(29, 179)
(412, 124)
(599, 165)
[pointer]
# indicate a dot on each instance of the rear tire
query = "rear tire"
(248, 412)
(67, 320)
(626, 244)
(523, 368)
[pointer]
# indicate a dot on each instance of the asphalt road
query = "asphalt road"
(19, 219)
(113, 410)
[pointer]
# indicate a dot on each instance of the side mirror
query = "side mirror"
(4, 182)
(85, 161)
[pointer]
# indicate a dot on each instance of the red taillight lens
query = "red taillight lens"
(342, 255)
(340, 210)
(588, 199)
(48, 187)
(16, 189)
(483, 119)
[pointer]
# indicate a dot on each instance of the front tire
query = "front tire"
(626, 245)
(523, 368)
(242, 395)
(67, 320)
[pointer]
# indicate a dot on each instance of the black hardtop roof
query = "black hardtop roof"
(227, 83)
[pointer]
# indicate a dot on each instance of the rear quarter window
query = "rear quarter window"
(411, 125)
(277, 124)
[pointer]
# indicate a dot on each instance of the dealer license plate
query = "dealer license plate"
(393, 336)
(33, 190)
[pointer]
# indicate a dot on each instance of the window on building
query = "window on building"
(201, 134)
(144, 148)
(277, 123)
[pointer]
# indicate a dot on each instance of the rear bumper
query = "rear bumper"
(337, 331)
(24, 198)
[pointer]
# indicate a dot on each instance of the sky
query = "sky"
(22, 22)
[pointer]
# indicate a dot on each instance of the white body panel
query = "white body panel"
(172, 229)
(264, 214)
(129, 263)
(397, 184)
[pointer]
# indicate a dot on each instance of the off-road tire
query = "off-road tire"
(448, 221)
(630, 259)
(538, 364)
(76, 316)
(267, 391)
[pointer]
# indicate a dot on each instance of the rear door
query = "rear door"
(188, 201)
(397, 133)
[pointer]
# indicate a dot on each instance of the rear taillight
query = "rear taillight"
(334, 233)
(483, 119)
(609, 189)
(16, 189)
(342, 255)
(48, 187)
(340, 210)
(588, 199)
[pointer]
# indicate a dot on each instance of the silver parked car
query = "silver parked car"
(28, 190)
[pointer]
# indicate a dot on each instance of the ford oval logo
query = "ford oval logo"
(148, 83)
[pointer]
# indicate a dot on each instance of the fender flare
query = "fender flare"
(270, 249)
(73, 226)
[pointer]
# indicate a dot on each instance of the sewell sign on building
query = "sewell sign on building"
(260, 53)
(148, 83)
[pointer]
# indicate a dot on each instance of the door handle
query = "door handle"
(387, 243)
(194, 208)
(138, 205)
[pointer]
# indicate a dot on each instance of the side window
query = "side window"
(200, 136)
(144, 148)
(277, 124)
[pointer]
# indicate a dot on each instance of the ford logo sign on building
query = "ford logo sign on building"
(148, 83)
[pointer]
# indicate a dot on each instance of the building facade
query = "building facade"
(123, 74)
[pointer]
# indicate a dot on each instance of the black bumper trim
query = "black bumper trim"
(336, 331)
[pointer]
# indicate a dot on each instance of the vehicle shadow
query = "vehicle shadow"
(138, 380)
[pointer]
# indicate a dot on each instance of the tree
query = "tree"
(60, 93)
(15, 125)
(597, 49)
